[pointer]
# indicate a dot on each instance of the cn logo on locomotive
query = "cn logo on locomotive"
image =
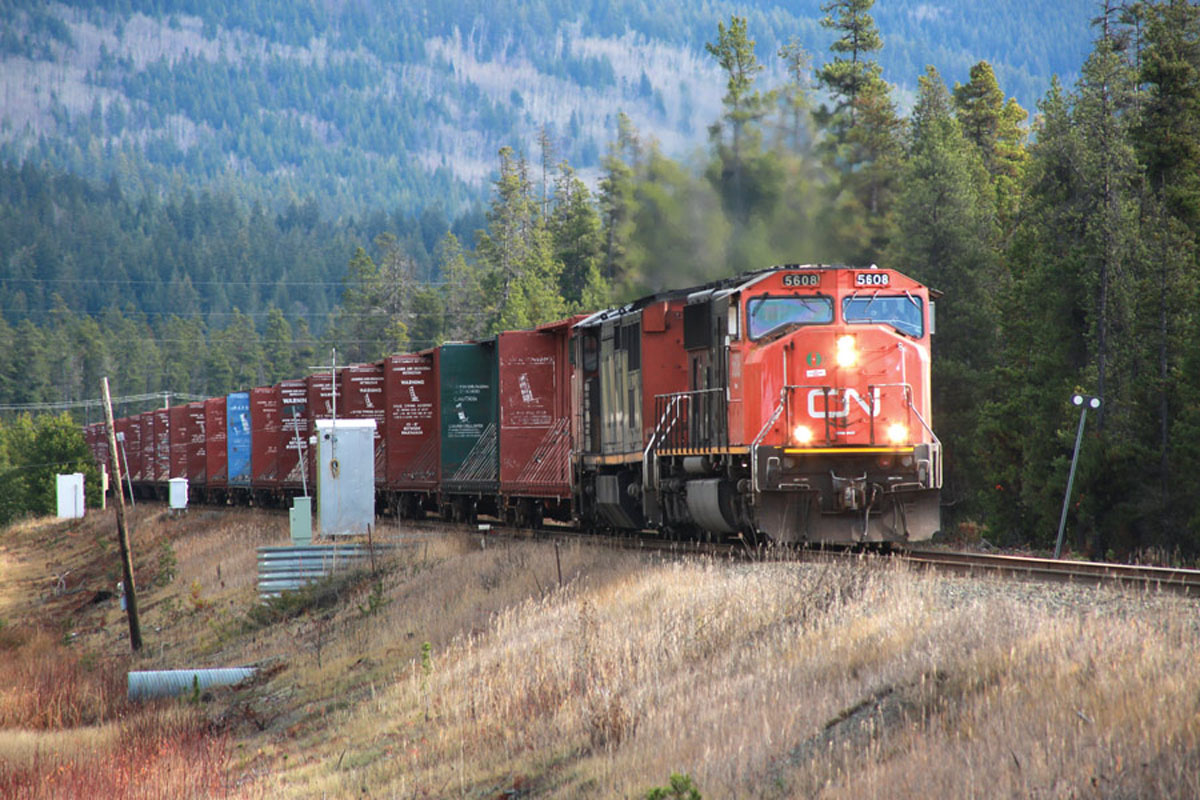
(847, 396)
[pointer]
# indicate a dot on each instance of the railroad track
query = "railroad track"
(1087, 573)
(1090, 573)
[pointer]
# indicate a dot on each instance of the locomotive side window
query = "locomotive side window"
(591, 352)
(903, 312)
(765, 315)
(633, 346)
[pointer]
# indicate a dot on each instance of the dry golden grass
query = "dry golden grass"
(766, 680)
(757, 680)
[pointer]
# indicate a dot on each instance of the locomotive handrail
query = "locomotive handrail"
(711, 429)
(658, 429)
(784, 397)
(672, 404)
(762, 433)
(908, 401)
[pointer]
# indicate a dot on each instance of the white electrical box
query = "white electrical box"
(177, 493)
(70, 496)
(345, 476)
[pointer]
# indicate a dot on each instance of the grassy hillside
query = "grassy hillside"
(469, 671)
(395, 105)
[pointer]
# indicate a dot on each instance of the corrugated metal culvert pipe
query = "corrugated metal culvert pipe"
(152, 684)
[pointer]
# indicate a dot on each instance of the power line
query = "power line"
(161, 282)
(99, 316)
(98, 403)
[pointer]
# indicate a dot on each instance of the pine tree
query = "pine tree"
(744, 108)
(373, 320)
(516, 253)
(1165, 39)
(428, 314)
(618, 203)
(980, 105)
(278, 352)
(1010, 163)
(795, 103)
(29, 366)
(184, 346)
(947, 240)
(575, 232)
(1168, 135)
(681, 232)
(862, 143)
(850, 72)
(238, 353)
(465, 303)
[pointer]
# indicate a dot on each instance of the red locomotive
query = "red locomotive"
(789, 404)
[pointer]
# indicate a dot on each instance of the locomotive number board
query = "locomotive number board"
(871, 279)
(802, 279)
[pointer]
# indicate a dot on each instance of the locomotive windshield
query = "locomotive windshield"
(765, 315)
(903, 312)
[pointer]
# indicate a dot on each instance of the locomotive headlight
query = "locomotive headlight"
(847, 353)
(802, 435)
(897, 433)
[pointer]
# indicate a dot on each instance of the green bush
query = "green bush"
(680, 787)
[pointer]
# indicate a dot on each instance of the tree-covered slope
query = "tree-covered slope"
(389, 104)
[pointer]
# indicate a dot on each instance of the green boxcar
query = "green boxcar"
(468, 380)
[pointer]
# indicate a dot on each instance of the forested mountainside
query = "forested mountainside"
(397, 105)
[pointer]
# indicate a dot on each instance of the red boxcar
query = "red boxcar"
(535, 417)
(362, 397)
(320, 389)
(148, 443)
(93, 435)
(265, 435)
(179, 441)
(294, 430)
(197, 451)
(216, 458)
(162, 445)
(411, 392)
(129, 447)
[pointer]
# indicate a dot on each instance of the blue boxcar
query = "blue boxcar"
(237, 432)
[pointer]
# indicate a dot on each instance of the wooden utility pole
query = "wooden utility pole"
(131, 608)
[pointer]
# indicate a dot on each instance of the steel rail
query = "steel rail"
(1091, 573)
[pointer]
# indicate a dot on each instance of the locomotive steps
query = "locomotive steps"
(756, 679)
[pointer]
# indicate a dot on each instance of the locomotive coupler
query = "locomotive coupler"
(849, 494)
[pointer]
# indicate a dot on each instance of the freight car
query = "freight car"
(790, 404)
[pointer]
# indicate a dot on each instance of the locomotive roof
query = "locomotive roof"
(717, 288)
